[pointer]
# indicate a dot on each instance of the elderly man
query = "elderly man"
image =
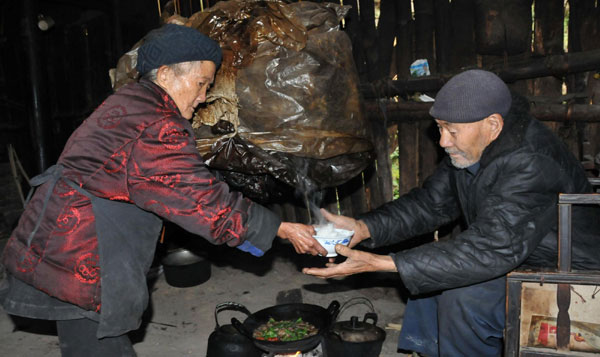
(85, 242)
(503, 173)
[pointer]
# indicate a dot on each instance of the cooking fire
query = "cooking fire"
(316, 352)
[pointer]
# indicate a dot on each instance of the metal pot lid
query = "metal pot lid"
(357, 331)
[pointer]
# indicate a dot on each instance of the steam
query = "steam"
(308, 191)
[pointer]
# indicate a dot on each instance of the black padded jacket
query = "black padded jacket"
(509, 210)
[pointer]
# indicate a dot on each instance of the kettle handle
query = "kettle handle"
(371, 316)
(229, 305)
(359, 300)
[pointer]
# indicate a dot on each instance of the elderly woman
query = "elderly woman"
(85, 242)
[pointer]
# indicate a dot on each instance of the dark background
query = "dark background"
(60, 75)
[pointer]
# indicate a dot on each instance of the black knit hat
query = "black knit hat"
(172, 43)
(471, 96)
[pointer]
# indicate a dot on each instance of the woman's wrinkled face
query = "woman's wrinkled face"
(187, 83)
(465, 142)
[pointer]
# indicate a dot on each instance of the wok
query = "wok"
(320, 317)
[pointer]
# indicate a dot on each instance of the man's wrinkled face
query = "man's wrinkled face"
(465, 142)
(187, 84)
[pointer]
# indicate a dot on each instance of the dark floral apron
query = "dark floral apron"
(127, 237)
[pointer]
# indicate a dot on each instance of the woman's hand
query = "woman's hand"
(301, 237)
(361, 231)
(357, 262)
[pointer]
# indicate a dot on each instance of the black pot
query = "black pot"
(354, 337)
(226, 340)
(183, 269)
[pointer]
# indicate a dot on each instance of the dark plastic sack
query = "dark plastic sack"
(285, 106)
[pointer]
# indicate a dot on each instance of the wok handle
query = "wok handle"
(230, 305)
(241, 329)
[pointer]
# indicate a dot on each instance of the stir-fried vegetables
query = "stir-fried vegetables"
(284, 330)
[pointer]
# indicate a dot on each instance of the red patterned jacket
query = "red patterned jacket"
(135, 148)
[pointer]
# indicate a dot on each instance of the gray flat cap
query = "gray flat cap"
(471, 96)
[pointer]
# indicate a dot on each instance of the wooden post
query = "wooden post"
(408, 143)
(424, 29)
(513, 317)
(403, 50)
(354, 32)
(443, 35)
(368, 37)
(358, 197)
(548, 40)
(563, 321)
(373, 193)
(463, 34)
(384, 173)
(385, 37)
(563, 294)
(428, 149)
(344, 191)
(578, 9)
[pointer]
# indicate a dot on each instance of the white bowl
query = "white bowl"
(328, 238)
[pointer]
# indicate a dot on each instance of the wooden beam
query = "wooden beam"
(414, 111)
(554, 65)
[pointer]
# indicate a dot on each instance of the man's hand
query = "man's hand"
(357, 262)
(361, 231)
(301, 237)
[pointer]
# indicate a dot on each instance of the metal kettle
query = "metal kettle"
(355, 337)
(226, 340)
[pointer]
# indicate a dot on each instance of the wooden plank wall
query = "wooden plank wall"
(452, 36)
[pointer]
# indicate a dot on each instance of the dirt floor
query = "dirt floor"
(179, 321)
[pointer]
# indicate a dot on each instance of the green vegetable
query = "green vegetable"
(285, 330)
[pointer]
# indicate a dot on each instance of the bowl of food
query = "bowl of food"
(328, 236)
